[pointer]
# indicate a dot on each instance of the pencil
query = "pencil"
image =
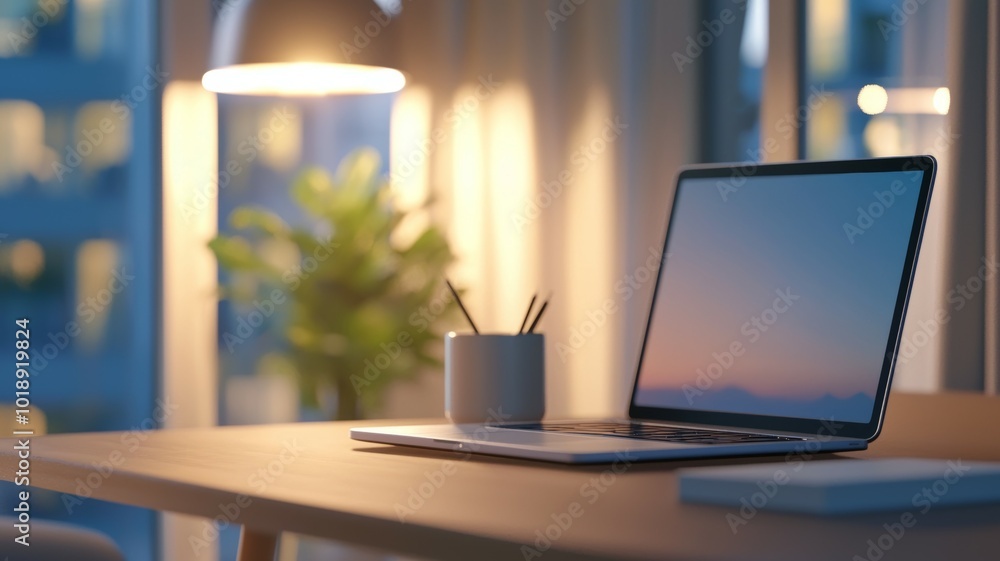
(527, 314)
(541, 311)
(462, 306)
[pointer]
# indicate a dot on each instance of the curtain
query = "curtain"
(971, 341)
(548, 136)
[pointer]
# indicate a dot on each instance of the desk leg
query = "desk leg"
(256, 546)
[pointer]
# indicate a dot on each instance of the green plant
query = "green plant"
(349, 289)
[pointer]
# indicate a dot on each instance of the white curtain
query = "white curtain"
(549, 135)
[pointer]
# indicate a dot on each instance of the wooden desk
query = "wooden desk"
(311, 479)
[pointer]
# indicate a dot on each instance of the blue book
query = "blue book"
(844, 486)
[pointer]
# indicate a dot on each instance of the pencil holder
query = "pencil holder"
(494, 378)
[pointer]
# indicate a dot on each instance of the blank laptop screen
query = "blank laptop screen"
(776, 296)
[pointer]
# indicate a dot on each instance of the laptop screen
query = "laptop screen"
(777, 294)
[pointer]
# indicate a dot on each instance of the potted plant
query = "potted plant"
(349, 292)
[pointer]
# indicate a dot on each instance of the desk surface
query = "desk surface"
(312, 479)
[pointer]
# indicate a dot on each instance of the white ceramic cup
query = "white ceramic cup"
(494, 378)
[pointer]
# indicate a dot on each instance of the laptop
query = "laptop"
(774, 325)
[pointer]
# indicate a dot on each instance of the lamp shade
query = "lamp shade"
(304, 47)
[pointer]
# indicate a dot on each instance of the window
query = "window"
(872, 71)
(732, 80)
(883, 65)
(79, 197)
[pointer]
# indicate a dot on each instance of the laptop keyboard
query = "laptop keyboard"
(684, 435)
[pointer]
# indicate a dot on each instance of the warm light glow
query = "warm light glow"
(27, 259)
(883, 137)
(590, 257)
(512, 189)
(916, 101)
(97, 288)
(413, 145)
(828, 28)
(189, 333)
(22, 142)
(280, 128)
(872, 99)
(190, 277)
(942, 100)
(303, 79)
(114, 144)
(91, 17)
(827, 126)
(468, 217)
